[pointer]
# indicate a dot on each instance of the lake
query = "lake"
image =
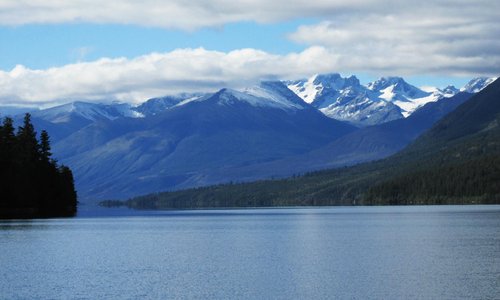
(431, 252)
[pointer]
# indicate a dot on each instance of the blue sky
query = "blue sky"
(124, 50)
(44, 46)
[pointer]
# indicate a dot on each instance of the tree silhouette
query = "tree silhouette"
(45, 153)
(27, 143)
(31, 183)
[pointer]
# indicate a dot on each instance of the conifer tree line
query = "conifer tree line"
(32, 184)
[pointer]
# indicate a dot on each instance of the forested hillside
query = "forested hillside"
(32, 184)
(456, 162)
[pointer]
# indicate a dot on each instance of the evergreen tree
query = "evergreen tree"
(29, 147)
(68, 189)
(31, 183)
(7, 141)
(45, 147)
(8, 160)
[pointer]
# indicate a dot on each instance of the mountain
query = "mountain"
(450, 91)
(477, 84)
(478, 117)
(380, 141)
(179, 146)
(362, 145)
(384, 100)
(154, 106)
(457, 161)
(404, 95)
(61, 121)
(396, 89)
(345, 99)
(86, 112)
(187, 140)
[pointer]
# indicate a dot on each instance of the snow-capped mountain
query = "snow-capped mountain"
(477, 84)
(267, 94)
(320, 85)
(406, 96)
(396, 88)
(86, 111)
(185, 143)
(449, 91)
(186, 140)
(380, 101)
(157, 105)
(61, 121)
(345, 99)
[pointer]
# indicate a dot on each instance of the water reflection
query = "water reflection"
(17, 225)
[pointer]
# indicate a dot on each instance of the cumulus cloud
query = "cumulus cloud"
(392, 37)
(206, 13)
(135, 80)
(169, 14)
(439, 38)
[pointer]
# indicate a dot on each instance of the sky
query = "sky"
(53, 52)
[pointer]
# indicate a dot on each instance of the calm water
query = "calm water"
(447, 252)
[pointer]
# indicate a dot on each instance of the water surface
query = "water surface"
(433, 252)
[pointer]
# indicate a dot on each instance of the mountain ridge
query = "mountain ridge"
(380, 101)
(231, 135)
(127, 156)
(440, 167)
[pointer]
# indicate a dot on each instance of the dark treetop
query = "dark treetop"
(32, 184)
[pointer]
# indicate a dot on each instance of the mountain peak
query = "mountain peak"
(347, 100)
(87, 111)
(408, 97)
(335, 80)
(477, 84)
(384, 82)
(268, 94)
(324, 78)
(344, 99)
(316, 86)
(449, 91)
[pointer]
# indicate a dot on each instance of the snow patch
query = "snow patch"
(477, 84)
(306, 90)
(258, 97)
(387, 93)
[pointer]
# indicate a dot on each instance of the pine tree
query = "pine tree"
(69, 195)
(28, 144)
(7, 141)
(45, 147)
(8, 159)
(31, 183)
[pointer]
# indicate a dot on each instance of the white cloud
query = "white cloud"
(135, 80)
(439, 38)
(169, 14)
(393, 37)
(207, 13)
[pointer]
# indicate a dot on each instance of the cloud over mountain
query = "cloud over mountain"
(135, 80)
(442, 37)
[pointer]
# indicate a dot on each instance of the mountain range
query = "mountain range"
(276, 129)
(179, 146)
(384, 100)
(456, 161)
